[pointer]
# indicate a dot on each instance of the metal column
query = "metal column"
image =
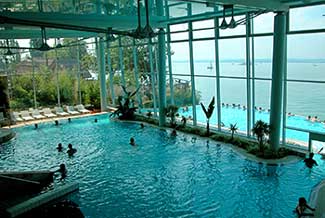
(161, 67)
(153, 80)
(253, 74)
(190, 41)
(216, 48)
(248, 74)
(102, 75)
(57, 78)
(111, 74)
(278, 67)
(170, 68)
(121, 61)
(78, 73)
(136, 73)
(34, 85)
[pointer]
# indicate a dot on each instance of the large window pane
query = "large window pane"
(307, 18)
(306, 56)
(180, 58)
(263, 56)
(232, 55)
(204, 57)
(264, 23)
(233, 91)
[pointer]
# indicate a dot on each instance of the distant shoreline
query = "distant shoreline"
(292, 60)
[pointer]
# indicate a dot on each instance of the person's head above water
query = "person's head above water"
(132, 141)
(60, 145)
(302, 201)
(69, 145)
(311, 155)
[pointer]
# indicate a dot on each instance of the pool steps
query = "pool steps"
(317, 199)
(42, 199)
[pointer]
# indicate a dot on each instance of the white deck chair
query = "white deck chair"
(82, 109)
(25, 115)
(71, 110)
(59, 111)
(48, 113)
(36, 114)
(16, 117)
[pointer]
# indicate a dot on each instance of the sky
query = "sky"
(302, 46)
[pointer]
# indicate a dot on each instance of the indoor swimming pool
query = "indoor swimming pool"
(162, 176)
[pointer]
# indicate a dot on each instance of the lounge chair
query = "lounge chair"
(26, 116)
(48, 113)
(16, 117)
(59, 111)
(36, 114)
(82, 109)
(71, 110)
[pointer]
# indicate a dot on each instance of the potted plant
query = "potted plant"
(208, 113)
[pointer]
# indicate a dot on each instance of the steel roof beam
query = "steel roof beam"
(271, 5)
(50, 33)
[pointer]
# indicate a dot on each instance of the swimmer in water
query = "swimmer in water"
(71, 150)
(59, 148)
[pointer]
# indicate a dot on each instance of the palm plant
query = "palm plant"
(261, 129)
(208, 113)
(125, 109)
(171, 111)
(233, 129)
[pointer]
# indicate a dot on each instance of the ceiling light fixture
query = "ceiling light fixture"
(232, 23)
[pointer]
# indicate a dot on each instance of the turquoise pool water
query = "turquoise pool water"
(162, 176)
(235, 115)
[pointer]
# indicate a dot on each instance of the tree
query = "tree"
(261, 130)
(233, 129)
(208, 113)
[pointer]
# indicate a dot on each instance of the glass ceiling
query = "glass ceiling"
(82, 18)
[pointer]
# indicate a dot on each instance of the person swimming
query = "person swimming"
(141, 125)
(69, 120)
(302, 206)
(132, 141)
(56, 122)
(173, 133)
(71, 150)
(63, 171)
(59, 148)
(310, 162)
(36, 126)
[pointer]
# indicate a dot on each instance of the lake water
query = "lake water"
(303, 98)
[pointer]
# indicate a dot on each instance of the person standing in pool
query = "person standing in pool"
(63, 171)
(71, 150)
(59, 148)
(310, 162)
(302, 206)
(132, 141)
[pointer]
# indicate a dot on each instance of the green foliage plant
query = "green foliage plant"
(208, 113)
(125, 109)
(233, 128)
(261, 130)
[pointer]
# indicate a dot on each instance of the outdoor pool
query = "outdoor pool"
(160, 177)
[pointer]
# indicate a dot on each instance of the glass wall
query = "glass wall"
(304, 67)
